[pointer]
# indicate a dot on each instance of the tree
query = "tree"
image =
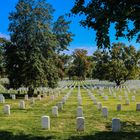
(91, 66)
(80, 64)
(100, 14)
(118, 65)
(63, 65)
(61, 30)
(33, 45)
(3, 41)
(101, 60)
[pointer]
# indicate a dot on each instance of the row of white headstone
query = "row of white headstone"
(79, 97)
(7, 107)
(80, 123)
(59, 105)
(105, 109)
(80, 116)
(45, 120)
(32, 100)
(112, 93)
(52, 97)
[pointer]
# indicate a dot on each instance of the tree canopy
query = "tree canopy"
(80, 64)
(119, 64)
(61, 29)
(31, 59)
(100, 14)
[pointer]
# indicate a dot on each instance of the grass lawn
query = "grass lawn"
(26, 124)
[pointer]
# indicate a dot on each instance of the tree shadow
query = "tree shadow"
(130, 130)
(109, 136)
(5, 135)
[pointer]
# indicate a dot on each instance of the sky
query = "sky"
(84, 38)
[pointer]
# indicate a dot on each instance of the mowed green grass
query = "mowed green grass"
(26, 124)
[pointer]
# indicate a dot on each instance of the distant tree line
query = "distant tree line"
(118, 64)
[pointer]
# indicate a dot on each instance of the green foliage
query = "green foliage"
(2, 60)
(100, 14)
(91, 66)
(101, 59)
(80, 64)
(4, 81)
(119, 64)
(61, 30)
(64, 37)
(51, 73)
(63, 65)
(31, 57)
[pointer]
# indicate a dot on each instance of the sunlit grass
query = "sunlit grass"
(28, 122)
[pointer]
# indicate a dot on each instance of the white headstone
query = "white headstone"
(2, 99)
(110, 93)
(55, 110)
(138, 107)
(22, 105)
(45, 122)
(60, 106)
(52, 97)
(80, 124)
(116, 125)
(13, 97)
(80, 101)
(133, 98)
(127, 102)
(119, 107)
(63, 100)
(105, 111)
(39, 97)
(44, 95)
(26, 97)
(95, 101)
(120, 97)
(99, 106)
(32, 100)
(114, 95)
(125, 94)
(7, 109)
(79, 111)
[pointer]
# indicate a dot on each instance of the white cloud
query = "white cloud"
(90, 49)
(4, 36)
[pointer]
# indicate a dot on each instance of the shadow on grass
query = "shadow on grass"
(130, 130)
(5, 135)
(109, 136)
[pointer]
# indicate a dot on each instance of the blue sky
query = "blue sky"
(84, 38)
